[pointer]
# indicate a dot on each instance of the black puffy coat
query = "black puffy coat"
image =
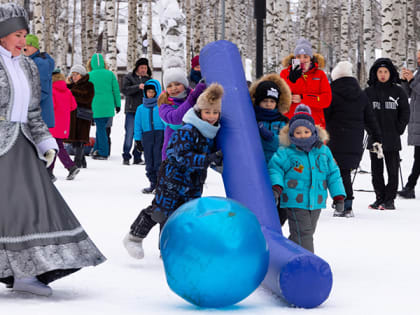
(346, 119)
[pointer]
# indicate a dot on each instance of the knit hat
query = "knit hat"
(195, 61)
(341, 70)
(78, 69)
(149, 87)
(302, 117)
(211, 98)
(32, 40)
(303, 47)
(267, 89)
(12, 18)
(145, 62)
(174, 72)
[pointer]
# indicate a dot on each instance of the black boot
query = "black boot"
(78, 155)
(407, 193)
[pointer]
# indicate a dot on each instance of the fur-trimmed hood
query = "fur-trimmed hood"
(284, 137)
(285, 98)
(317, 59)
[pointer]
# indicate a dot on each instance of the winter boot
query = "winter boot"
(134, 246)
(407, 193)
(348, 210)
(73, 171)
(376, 204)
(149, 190)
(387, 205)
(337, 212)
(32, 285)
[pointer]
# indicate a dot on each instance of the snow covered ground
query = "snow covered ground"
(375, 257)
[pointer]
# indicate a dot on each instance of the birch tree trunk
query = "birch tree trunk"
(150, 34)
(112, 44)
(62, 42)
(83, 35)
(312, 25)
(387, 31)
(139, 29)
(97, 19)
(354, 31)
(90, 35)
(411, 35)
(368, 33)
(37, 23)
(46, 25)
(196, 26)
(344, 32)
(132, 34)
(188, 45)
(271, 35)
(73, 34)
(336, 31)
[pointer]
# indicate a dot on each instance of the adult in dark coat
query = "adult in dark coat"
(132, 88)
(390, 105)
(83, 91)
(346, 119)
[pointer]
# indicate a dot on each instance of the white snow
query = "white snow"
(374, 257)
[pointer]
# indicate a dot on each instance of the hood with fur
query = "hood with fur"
(284, 137)
(285, 98)
(318, 59)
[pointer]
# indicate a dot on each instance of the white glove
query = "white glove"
(49, 156)
(377, 148)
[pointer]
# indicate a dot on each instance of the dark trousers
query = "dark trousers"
(346, 177)
(79, 154)
(386, 192)
(302, 225)
(152, 146)
(415, 171)
(62, 155)
(102, 138)
(128, 138)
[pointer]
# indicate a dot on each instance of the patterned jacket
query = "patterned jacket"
(34, 129)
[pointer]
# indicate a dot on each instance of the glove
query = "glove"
(264, 132)
(139, 146)
(295, 74)
(215, 158)
(377, 148)
(199, 88)
(117, 109)
(338, 203)
(277, 190)
(49, 156)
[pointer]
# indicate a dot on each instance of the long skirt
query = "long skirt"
(39, 234)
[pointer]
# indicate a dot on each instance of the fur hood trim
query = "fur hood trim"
(285, 98)
(284, 137)
(317, 58)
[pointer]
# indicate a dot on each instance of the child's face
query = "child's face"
(174, 88)
(383, 74)
(150, 93)
(268, 103)
(302, 132)
(210, 115)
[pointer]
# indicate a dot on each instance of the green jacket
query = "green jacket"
(107, 92)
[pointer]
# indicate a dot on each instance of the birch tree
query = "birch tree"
(344, 31)
(387, 7)
(411, 35)
(73, 37)
(132, 34)
(38, 22)
(150, 33)
(90, 35)
(112, 43)
(368, 33)
(139, 30)
(187, 11)
(83, 30)
(271, 35)
(62, 34)
(312, 25)
(196, 26)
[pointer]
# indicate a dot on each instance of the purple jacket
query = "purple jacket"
(172, 115)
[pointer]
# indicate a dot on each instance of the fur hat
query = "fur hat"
(267, 89)
(211, 98)
(78, 69)
(12, 18)
(303, 47)
(341, 70)
(302, 117)
(174, 72)
(195, 61)
(32, 40)
(144, 62)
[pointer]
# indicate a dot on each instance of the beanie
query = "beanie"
(302, 117)
(303, 47)
(267, 89)
(78, 69)
(145, 62)
(211, 98)
(195, 61)
(12, 18)
(341, 70)
(32, 40)
(174, 72)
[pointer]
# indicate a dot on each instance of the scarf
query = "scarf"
(263, 114)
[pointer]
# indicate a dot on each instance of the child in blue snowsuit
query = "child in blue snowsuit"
(190, 151)
(300, 173)
(271, 98)
(148, 131)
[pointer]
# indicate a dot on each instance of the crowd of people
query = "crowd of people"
(312, 131)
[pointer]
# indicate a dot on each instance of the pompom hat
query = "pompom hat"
(302, 117)
(12, 18)
(211, 98)
(175, 72)
(303, 47)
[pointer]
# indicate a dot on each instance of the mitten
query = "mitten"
(295, 74)
(49, 156)
(139, 146)
(377, 148)
(199, 88)
(117, 109)
(215, 158)
(264, 132)
(338, 203)
(277, 190)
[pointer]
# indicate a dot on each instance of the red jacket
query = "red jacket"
(64, 103)
(314, 89)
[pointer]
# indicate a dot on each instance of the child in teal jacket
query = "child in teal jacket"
(301, 171)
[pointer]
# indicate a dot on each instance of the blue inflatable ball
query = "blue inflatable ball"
(214, 252)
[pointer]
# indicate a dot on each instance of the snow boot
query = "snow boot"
(407, 193)
(376, 204)
(134, 246)
(32, 285)
(348, 210)
(387, 205)
(73, 171)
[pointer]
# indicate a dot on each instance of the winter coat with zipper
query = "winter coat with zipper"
(305, 177)
(83, 92)
(313, 87)
(64, 103)
(147, 117)
(130, 88)
(392, 112)
(349, 114)
(107, 92)
(413, 91)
